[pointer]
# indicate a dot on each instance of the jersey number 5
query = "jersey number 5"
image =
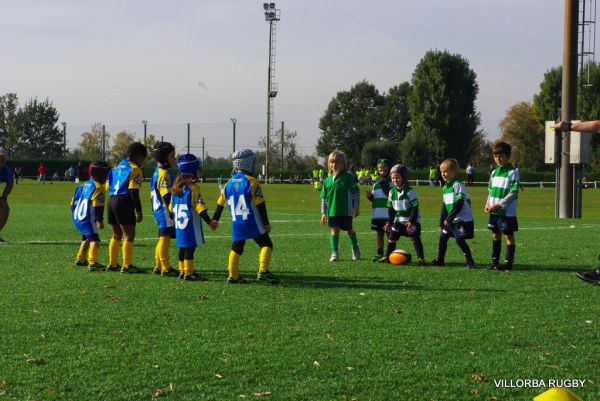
(239, 209)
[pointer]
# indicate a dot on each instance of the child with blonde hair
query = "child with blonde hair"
(456, 217)
(340, 202)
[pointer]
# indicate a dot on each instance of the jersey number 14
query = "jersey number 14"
(238, 209)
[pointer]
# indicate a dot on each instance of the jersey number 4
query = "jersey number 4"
(238, 209)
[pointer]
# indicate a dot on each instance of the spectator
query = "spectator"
(6, 177)
(17, 174)
(470, 174)
(41, 173)
(584, 182)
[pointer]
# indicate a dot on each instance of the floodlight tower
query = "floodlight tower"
(272, 15)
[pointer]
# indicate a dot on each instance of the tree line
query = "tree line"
(420, 122)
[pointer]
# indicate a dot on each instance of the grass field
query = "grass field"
(343, 331)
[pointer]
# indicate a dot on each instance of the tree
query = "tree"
(522, 129)
(442, 105)
(290, 153)
(90, 146)
(352, 119)
(118, 151)
(8, 108)
(421, 150)
(548, 101)
(33, 131)
(373, 151)
(395, 117)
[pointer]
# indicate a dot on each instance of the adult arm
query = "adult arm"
(592, 126)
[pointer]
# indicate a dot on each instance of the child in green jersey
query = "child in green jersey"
(378, 197)
(501, 204)
(340, 202)
(403, 214)
(456, 218)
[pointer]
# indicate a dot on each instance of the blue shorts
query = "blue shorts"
(342, 222)
(399, 230)
(462, 230)
(503, 224)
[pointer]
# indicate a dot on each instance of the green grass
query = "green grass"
(344, 331)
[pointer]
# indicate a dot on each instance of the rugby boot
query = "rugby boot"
(267, 277)
(96, 267)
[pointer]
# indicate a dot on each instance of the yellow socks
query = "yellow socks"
(264, 258)
(127, 250)
(80, 254)
(93, 253)
(163, 253)
(188, 267)
(113, 252)
(234, 265)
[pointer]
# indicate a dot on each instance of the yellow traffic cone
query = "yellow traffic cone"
(557, 394)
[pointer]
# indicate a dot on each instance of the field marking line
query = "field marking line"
(320, 234)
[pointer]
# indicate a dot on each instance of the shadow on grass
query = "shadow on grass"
(551, 268)
(292, 280)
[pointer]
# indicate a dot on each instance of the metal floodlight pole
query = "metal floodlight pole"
(64, 125)
(145, 126)
(568, 104)
(234, 121)
(188, 138)
(103, 143)
(271, 16)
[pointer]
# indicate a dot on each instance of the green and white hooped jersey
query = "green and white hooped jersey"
(380, 200)
(503, 180)
(454, 191)
(403, 200)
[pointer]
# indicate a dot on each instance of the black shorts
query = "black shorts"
(377, 225)
(262, 241)
(121, 210)
(503, 224)
(342, 222)
(92, 237)
(167, 232)
(399, 230)
(464, 230)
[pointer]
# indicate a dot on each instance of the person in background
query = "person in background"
(41, 173)
(6, 177)
(470, 174)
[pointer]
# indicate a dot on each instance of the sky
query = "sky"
(119, 62)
